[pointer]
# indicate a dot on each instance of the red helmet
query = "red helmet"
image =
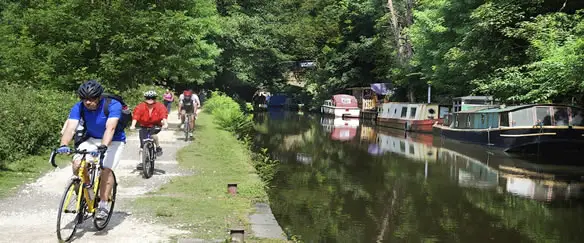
(187, 93)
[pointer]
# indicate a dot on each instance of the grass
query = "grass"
(24, 171)
(200, 203)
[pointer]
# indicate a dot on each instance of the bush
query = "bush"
(228, 114)
(32, 119)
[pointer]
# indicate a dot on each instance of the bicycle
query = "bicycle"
(149, 152)
(86, 200)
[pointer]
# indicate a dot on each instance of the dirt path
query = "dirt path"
(30, 215)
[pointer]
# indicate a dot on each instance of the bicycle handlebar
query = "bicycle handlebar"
(75, 151)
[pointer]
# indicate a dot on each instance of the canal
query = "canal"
(350, 181)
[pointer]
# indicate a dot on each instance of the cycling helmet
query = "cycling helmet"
(150, 94)
(188, 92)
(90, 89)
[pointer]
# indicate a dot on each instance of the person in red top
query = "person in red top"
(149, 114)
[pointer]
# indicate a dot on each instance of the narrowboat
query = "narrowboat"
(411, 116)
(522, 128)
(341, 105)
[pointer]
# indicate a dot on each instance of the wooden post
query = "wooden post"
(232, 188)
(237, 235)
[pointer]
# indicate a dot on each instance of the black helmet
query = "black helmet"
(90, 89)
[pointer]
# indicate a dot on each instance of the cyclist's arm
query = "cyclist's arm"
(111, 123)
(137, 113)
(71, 124)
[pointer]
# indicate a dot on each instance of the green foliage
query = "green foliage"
(32, 120)
(228, 114)
(121, 43)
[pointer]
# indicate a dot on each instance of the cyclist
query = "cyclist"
(149, 114)
(188, 103)
(101, 134)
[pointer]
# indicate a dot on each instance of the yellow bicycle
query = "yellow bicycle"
(81, 201)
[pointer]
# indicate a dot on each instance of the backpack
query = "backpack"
(126, 118)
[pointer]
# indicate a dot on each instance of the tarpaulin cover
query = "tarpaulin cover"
(381, 88)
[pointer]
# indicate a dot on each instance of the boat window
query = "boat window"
(413, 112)
(543, 115)
(523, 117)
(402, 146)
(482, 118)
(431, 111)
(412, 151)
(505, 119)
(468, 121)
(404, 111)
(577, 117)
(395, 111)
(561, 116)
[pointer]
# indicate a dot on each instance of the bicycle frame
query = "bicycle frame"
(93, 180)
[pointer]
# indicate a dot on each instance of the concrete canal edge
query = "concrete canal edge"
(201, 203)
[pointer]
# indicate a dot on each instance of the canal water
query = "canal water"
(350, 181)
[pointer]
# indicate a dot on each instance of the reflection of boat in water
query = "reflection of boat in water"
(472, 166)
(340, 128)
(418, 146)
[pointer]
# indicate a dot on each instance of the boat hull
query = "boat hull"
(517, 139)
(424, 126)
(353, 112)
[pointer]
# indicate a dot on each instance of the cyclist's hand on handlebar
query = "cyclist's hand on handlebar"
(64, 149)
(100, 149)
(165, 126)
(132, 127)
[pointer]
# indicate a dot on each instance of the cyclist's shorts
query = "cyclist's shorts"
(189, 110)
(112, 156)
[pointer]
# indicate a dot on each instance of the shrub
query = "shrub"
(32, 119)
(228, 114)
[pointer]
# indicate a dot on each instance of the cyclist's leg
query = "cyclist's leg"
(89, 145)
(142, 135)
(192, 125)
(182, 115)
(110, 161)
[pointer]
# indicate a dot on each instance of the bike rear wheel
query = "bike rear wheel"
(68, 207)
(101, 224)
(148, 160)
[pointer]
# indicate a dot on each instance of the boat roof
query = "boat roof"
(498, 109)
(470, 97)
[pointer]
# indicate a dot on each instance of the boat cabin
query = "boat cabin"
(412, 111)
(517, 116)
(471, 102)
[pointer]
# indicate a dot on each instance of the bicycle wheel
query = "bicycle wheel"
(187, 127)
(101, 224)
(147, 160)
(67, 207)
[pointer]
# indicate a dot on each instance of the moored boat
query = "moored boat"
(341, 105)
(526, 128)
(411, 116)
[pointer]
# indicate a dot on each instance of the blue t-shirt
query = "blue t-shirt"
(95, 120)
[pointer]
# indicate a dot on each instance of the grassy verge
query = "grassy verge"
(200, 203)
(23, 171)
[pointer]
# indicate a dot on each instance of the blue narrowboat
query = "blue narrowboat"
(522, 128)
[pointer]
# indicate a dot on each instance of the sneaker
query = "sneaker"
(158, 151)
(101, 214)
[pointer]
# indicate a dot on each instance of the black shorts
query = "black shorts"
(189, 109)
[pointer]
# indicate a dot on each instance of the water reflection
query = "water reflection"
(387, 186)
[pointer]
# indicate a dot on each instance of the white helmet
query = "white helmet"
(150, 94)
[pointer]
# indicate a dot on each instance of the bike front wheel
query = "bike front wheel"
(148, 160)
(69, 216)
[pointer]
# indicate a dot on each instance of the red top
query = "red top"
(146, 119)
(343, 100)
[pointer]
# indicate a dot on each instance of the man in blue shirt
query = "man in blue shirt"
(101, 134)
